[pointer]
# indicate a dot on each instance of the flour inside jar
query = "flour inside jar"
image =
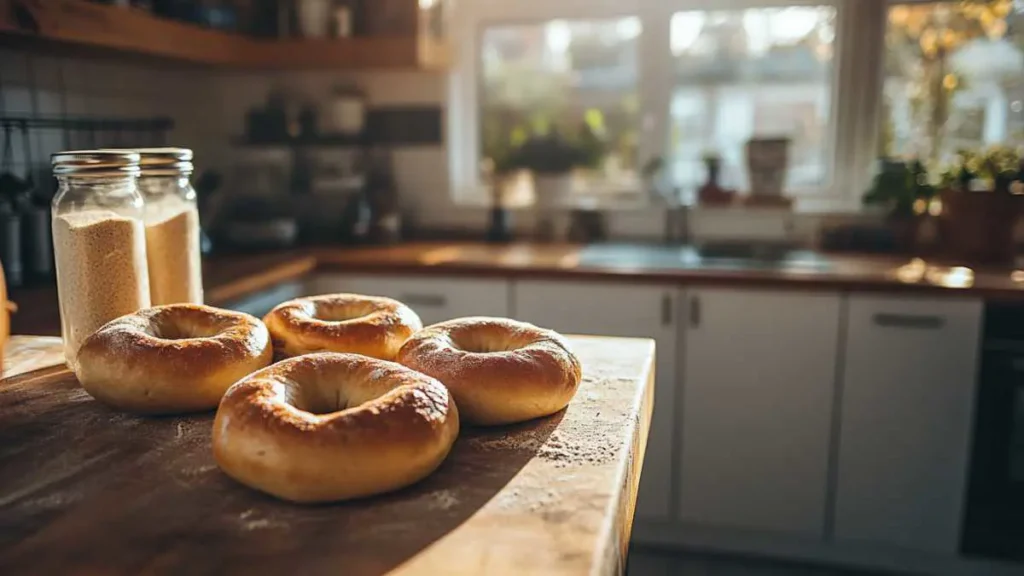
(172, 249)
(101, 272)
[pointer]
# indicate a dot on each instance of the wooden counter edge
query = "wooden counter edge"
(619, 525)
(247, 285)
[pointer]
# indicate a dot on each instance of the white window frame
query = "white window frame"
(856, 83)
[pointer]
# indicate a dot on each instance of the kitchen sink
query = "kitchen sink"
(721, 256)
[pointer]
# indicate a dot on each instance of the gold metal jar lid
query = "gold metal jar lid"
(164, 161)
(95, 163)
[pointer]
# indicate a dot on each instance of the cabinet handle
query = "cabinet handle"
(912, 321)
(429, 300)
(666, 310)
(695, 312)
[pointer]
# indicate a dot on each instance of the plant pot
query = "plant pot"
(552, 190)
(314, 18)
(905, 233)
(767, 164)
(977, 227)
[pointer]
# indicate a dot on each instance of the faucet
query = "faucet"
(677, 220)
(677, 212)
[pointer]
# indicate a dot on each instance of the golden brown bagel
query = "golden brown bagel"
(328, 426)
(499, 370)
(368, 325)
(172, 359)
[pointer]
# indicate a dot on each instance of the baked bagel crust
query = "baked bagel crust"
(369, 325)
(328, 426)
(499, 370)
(172, 359)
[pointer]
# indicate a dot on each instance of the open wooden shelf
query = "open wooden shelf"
(85, 25)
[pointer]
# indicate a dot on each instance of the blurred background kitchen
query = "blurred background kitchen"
(828, 189)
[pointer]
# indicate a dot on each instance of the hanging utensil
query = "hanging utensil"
(36, 227)
(10, 221)
(10, 184)
(23, 199)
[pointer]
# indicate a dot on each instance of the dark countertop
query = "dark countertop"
(232, 276)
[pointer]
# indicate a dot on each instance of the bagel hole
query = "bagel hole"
(341, 312)
(183, 331)
(478, 344)
(323, 401)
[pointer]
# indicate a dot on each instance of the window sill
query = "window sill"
(636, 201)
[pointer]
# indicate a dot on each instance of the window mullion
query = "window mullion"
(858, 94)
(655, 83)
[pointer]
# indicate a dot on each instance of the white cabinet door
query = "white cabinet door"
(613, 309)
(759, 373)
(433, 298)
(907, 403)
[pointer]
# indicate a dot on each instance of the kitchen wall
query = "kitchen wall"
(45, 85)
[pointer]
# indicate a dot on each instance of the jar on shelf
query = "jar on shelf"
(99, 242)
(172, 226)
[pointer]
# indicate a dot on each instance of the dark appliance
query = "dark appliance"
(994, 516)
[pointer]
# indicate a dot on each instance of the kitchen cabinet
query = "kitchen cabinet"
(758, 381)
(612, 309)
(908, 387)
(434, 298)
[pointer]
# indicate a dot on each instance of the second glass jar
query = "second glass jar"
(172, 226)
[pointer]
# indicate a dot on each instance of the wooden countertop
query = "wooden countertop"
(27, 353)
(563, 261)
(232, 276)
(84, 489)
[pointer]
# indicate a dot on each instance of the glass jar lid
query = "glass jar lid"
(165, 161)
(95, 163)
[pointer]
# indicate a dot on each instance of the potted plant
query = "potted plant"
(904, 190)
(980, 207)
(551, 158)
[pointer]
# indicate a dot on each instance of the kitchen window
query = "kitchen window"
(749, 73)
(556, 76)
(845, 80)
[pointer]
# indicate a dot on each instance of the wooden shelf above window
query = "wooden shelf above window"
(76, 25)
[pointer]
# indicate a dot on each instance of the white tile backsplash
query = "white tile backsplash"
(13, 67)
(17, 100)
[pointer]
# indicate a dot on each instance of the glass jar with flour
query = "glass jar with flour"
(172, 226)
(99, 241)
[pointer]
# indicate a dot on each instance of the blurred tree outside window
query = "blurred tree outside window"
(954, 78)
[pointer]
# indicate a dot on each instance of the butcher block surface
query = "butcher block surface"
(87, 490)
(27, 353)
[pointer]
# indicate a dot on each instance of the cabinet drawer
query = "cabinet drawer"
(434, 298)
